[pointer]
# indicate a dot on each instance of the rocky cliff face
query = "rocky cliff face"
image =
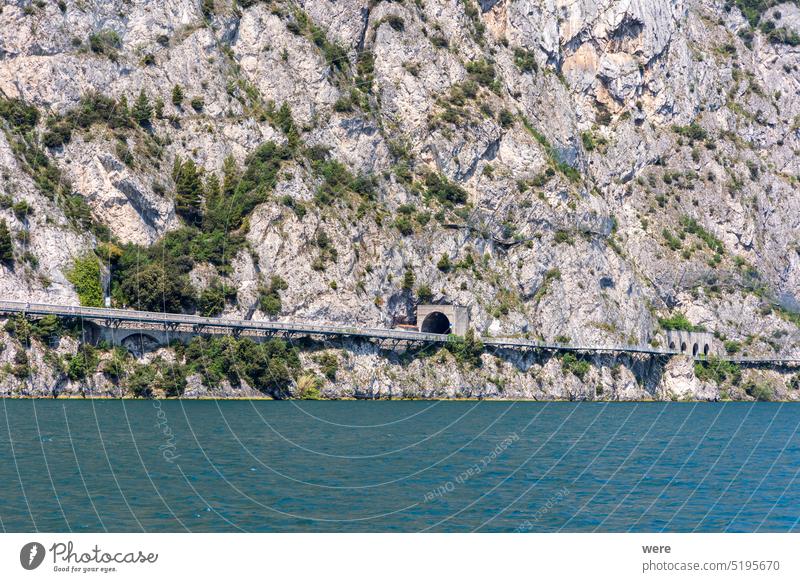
(593, 172)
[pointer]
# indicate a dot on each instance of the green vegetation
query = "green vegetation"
(142, 111)
(177, 96)
(467, 350)
(328, 364)
(188, 192)
(212, 300)
(693, 131)
(691, 226)
(571, 364)
(269, 298)
(718, 371)
(678, 322)
(525, 60)
(732, 347)
(85, 277)
(269, 367)
(105, 42)
(762, 392)
(44, 329)
(18, 114)
(446, 192)
(6, 245)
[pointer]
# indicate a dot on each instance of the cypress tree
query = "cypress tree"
(6, 246)
(177, 96)
(142, 110)
(189, 193)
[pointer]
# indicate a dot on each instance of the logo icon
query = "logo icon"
(31, 555)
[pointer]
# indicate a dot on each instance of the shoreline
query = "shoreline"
(494, 400)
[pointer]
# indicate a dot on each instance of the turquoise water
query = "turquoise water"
(397, 466)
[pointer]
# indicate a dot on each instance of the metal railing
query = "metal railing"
(198, 323)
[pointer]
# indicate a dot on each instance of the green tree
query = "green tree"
(85, 277)
(6, 245)
(142, 110)
(189, 193)
(177, 96)
(158, 288)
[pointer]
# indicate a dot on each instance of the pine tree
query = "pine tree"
(142, 110)
(6, 246)
(189, 193)
(177, 96)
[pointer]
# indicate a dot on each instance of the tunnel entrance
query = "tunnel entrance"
(436, 322)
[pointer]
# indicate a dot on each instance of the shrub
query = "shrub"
(424, 294)
(444, 264)
(85, 277)
(269, 299)
(213, 298)
(718, 371)
(439, 187)
(308, 386)
(693, 131)
(570, 363)
(198, 103)
(18, 114)
(761, 392)
(677, 322)
(525, 60)
(467, 350)
(404, 225)
(105, 42)
(329, 364)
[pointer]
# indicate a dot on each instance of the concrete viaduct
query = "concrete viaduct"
(123, 326)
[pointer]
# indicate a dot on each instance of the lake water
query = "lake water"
(398, 466)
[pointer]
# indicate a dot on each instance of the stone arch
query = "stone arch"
(706, 349)
(683, 347)
(695, 349)
(672, 345)
(436, 322)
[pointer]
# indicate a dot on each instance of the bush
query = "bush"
(678, 322)
(760, 391)
(269, 300)
(424, 294)
(329, 364)
(467, 350)
(571, 364)
(439, 187)
(198, 103)
(18, 114)
(718, 371)
(85, 277)
(525, 60)
(177, 96)
(105, 42)
(213, 298)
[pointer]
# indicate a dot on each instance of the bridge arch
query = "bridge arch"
(436, 322)
(706, 349)
(695, 349)
(683, 347)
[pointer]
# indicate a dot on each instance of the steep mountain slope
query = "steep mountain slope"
(593, 172)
